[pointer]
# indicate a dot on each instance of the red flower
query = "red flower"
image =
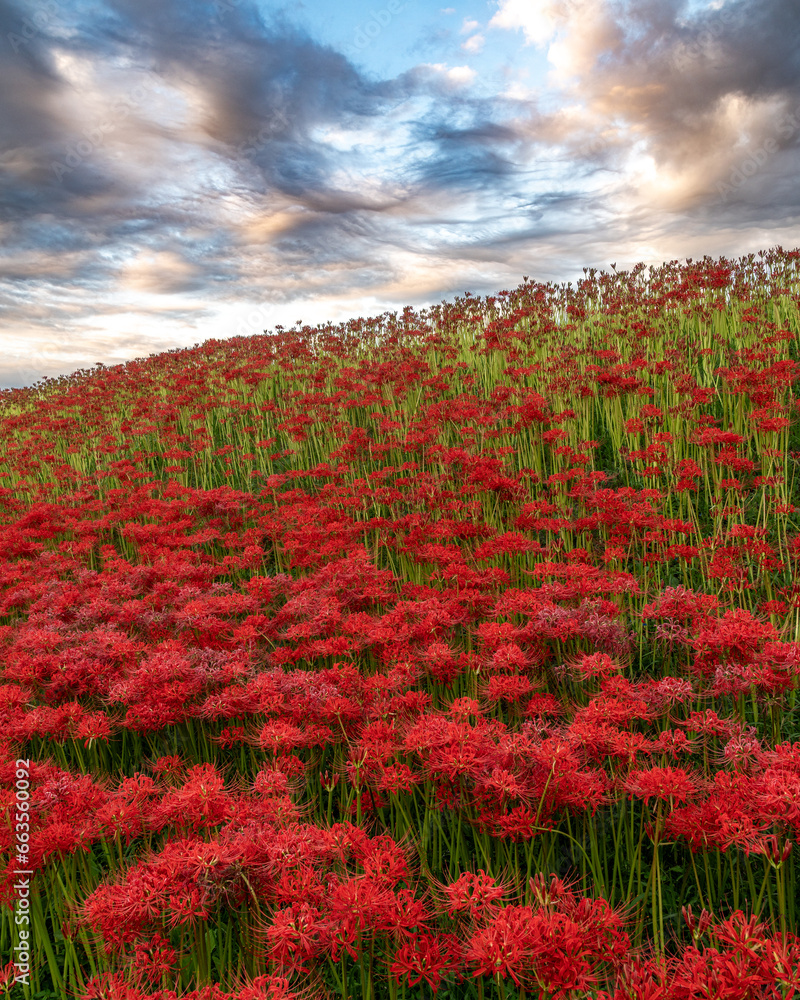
(426, 957)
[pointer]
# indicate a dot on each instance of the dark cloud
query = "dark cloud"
(30, 125)
(28, 79)
(705, 91)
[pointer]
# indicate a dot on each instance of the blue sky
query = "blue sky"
(175, 170)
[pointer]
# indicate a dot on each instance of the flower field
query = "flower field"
(452, 652)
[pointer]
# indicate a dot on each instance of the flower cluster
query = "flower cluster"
(454, 651)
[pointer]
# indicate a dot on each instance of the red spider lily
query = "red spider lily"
(500, 949)
(442, 663)
(709, 723)
(262, 988)
(665, 784)
(347, 614)
(169, 766)
(294, 937)
(558, 952)
(112, 986)
(383, 860)
(711, 973)
(362, 906)
(475, 895)
(519, 823)
(596, 665)
(188, 908)
(427, 957)
(201, 802)
(7, 975)
(154, 958)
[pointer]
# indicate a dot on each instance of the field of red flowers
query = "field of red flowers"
(449, 653)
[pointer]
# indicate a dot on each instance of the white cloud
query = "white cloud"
(469, 25)
(474, 44)
(538, 19)
(576, 32)
(461, 75)
(458, 75)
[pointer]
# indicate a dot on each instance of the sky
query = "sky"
(177, 170)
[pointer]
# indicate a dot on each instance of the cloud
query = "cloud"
(168, 164)
(164, 273)
(538, 19)
(690, 93)
(474, 44)
(452, 77)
